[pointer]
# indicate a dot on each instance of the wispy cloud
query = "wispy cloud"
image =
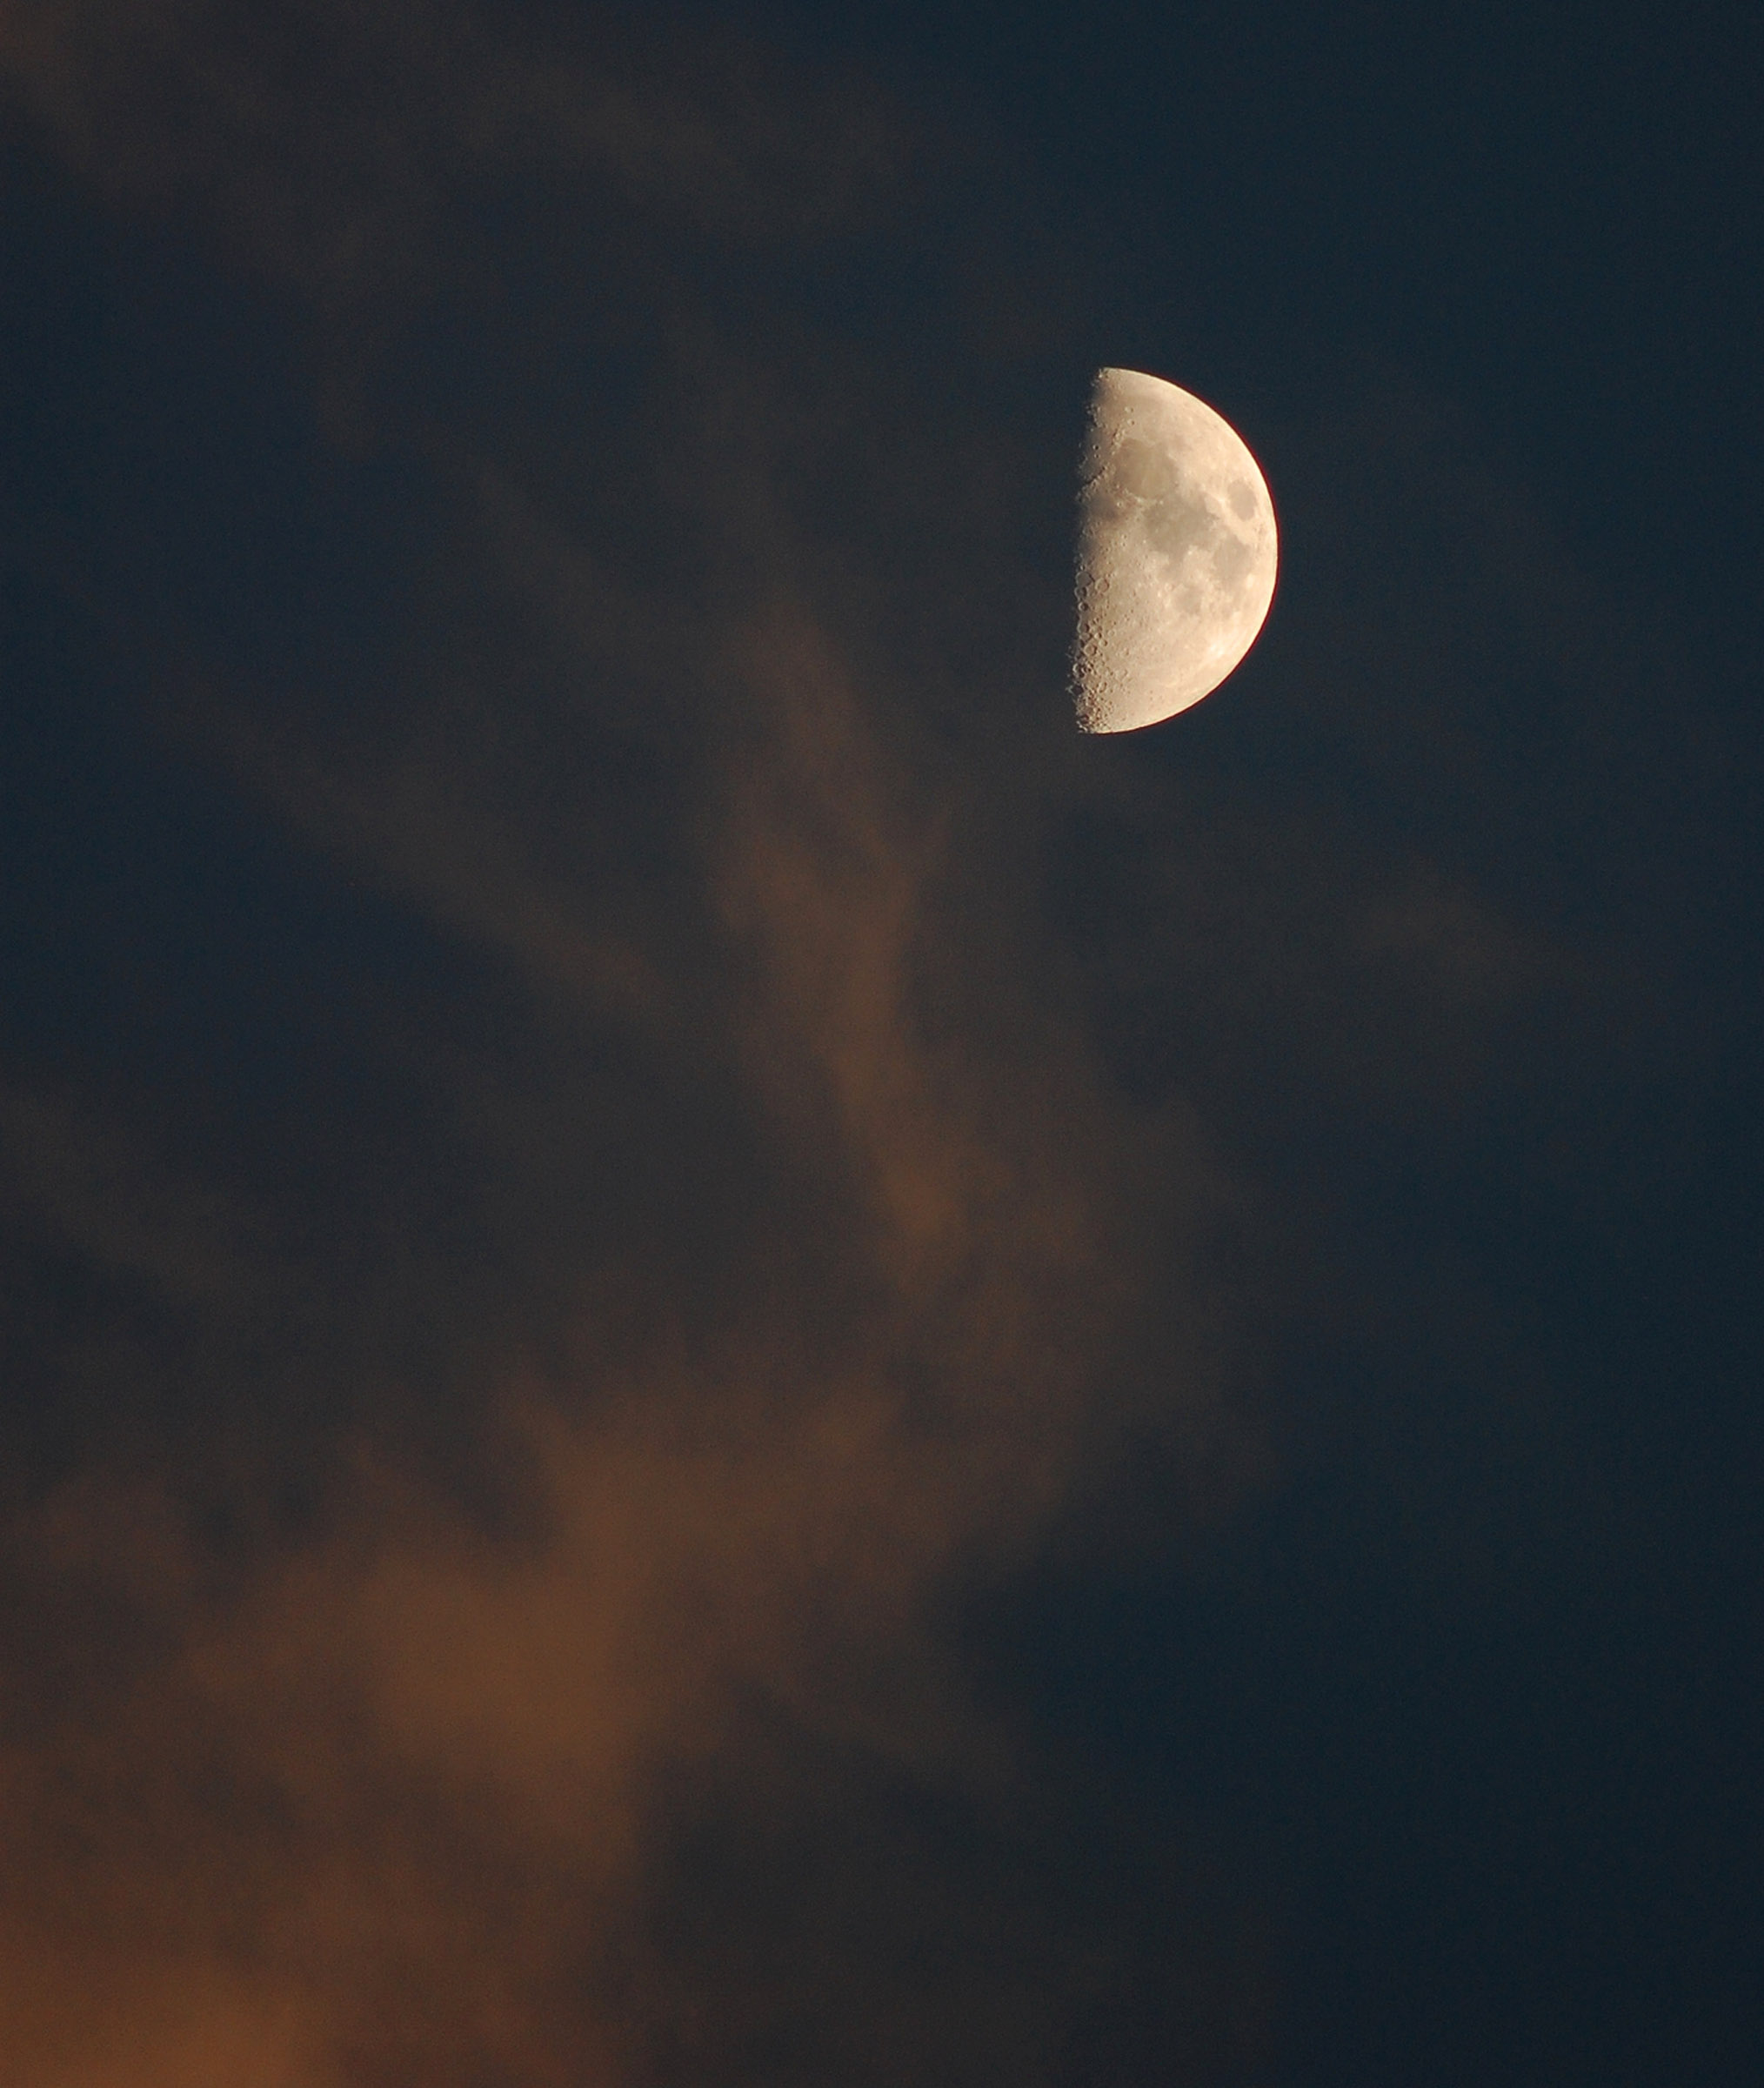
(748, 1229)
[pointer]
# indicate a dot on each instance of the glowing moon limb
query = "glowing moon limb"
(1176, 551)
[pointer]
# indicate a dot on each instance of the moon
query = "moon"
(1176, 551)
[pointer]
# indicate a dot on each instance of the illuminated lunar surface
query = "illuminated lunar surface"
(1176, 553)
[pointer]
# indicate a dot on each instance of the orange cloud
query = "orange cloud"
(600, 1473)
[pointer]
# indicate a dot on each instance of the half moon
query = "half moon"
(1176, 551)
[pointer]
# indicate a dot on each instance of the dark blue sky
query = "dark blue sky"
(543, 869)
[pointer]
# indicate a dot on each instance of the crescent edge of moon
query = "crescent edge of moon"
(1177, 554)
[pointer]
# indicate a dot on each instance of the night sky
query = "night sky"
(723, 1363)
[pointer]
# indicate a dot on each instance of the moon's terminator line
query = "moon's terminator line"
(1176, 551)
